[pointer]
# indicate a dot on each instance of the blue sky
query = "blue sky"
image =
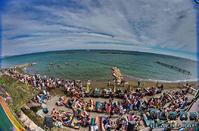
(157, 26)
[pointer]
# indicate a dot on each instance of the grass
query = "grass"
(20, 93)
(38, 120)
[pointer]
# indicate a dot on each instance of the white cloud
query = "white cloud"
(77, 24)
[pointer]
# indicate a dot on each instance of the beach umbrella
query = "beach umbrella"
(154, 113)
(172, 115)
(183, 115)
(193, 116)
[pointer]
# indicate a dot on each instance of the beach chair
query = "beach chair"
(172, 115)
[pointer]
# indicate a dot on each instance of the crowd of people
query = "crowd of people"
(163, 104)
(40, 82)
(134, 109)
(111, 108)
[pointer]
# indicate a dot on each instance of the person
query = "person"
(93, 126)
(111, 111)
(92, 121)
(107, 127)
(184, 103)
(138, 105)
(131, 126)
(106, 124)
(96, 127)
(139, 84)
(119, 125)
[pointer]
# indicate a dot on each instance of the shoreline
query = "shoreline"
(161, 81)
(130, 79)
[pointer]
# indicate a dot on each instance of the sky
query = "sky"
(155, 26)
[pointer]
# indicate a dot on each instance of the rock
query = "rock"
(117, 75)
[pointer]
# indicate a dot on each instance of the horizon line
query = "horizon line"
(51, 51)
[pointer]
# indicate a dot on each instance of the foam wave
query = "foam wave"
(162, 81)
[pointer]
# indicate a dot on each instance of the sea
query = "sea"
(97, 64)
(5, 124)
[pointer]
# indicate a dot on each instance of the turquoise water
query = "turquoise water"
(97, 64)
(5, 124)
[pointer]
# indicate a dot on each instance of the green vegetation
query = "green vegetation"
(39, 121)
(20, 93)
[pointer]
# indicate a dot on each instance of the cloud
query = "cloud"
(45, 25)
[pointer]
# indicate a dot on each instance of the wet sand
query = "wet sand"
(144, 84)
